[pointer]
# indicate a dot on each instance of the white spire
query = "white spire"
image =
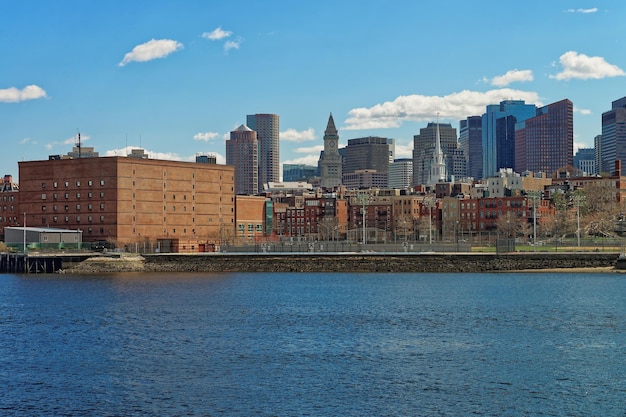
(438, 164)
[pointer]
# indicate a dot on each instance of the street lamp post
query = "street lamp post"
(24, 234)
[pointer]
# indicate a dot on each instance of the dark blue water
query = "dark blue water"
(313, 345)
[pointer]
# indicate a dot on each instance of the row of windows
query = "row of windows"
(55, 196)
(251, 227)
(67, 207)
(67, 184)
(77, 219)
(10, 197)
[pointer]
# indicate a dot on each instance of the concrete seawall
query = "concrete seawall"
(347, 262)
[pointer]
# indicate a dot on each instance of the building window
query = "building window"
(90, 183)
(102, 194)
(77, 219)
(89, 195)
(101, 182)
(102, 206)
(77, 207)
(89, 207)
(67, 219)
(43, 196)
(67, 184)
(43, 185)
(90, 219)
(78, 183)
(101, 218)
(77, 195)
(67, 195)
(43, 208)
(55, 185)
(55, 196)
(55, 207)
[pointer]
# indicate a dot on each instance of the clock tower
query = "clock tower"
(330, 165)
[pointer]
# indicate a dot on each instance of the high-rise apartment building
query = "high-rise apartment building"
(242, 150)
(471, 143)
(585, 160)
(498, 133)
(597, 146)
(267, 127)
(613, 141)
(331, 163)
(424, 147)
(545, 142)
(371, 153)
(401, 173)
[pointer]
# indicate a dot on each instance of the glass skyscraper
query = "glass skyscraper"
(498, 133)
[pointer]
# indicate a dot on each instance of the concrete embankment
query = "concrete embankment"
(346, 262)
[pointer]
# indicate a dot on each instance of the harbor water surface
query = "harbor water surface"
(285, 344)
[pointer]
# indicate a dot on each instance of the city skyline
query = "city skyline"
(177, 79)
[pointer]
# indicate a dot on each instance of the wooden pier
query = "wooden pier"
(18, 263)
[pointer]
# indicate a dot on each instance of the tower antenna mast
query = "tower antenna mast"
(78, 144)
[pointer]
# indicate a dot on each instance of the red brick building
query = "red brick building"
(177, 206)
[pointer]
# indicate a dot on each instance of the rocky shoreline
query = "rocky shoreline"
(345, 263)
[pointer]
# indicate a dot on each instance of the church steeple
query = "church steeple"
(438, 164)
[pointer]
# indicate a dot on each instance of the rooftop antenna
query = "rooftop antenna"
(78, 143)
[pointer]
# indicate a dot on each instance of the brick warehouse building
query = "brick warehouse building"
(170, 205)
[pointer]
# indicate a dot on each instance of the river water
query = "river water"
(549, 344)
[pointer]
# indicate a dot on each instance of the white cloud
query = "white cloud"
(150, 50)
(206, 136)
(583, 67)
(69, 142)
(404, 151)
(217, 34)
(415, 107)
(167, 156)
(228, 45)
(306, 160)
(27, 140)
(582, 111)
(293, 135)
(310, 149)
(14, 95)
(584, 11)
(511, 77)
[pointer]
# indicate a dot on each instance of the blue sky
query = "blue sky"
(176, 77)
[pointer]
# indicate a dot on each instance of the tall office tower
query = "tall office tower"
(614, 136)
(471, 143)
(545, 142)
(242, 150)
(331, 170)
(267, 132)
(401, 173)
(597, 146)
(498, 129)
(371, 153)
(424, 146)
(585, 160)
